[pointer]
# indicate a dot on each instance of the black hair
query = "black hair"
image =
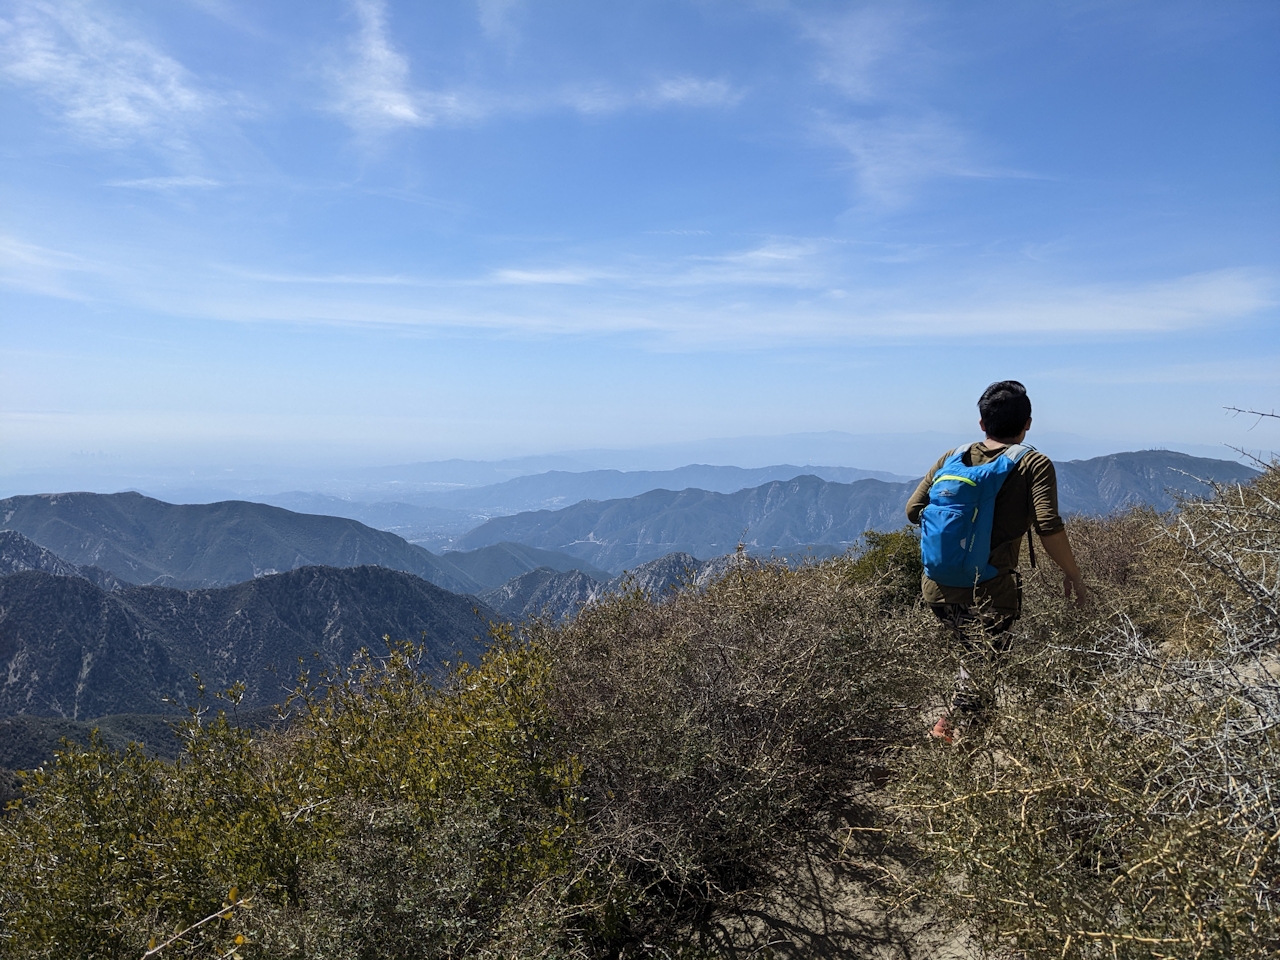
(1005, 409)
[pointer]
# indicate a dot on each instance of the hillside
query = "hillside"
(743, 766)
(560, 594)
(19, 554)
(1104, 485)
(146, 541)
(543, 592)
(782, 517)
(70, 649)
(495, 565)
(619, 534)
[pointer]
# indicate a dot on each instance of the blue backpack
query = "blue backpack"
(955, 526)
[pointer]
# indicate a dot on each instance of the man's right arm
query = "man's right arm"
(920, 499)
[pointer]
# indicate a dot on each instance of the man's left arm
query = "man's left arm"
(1059, 549)
(1052, 529)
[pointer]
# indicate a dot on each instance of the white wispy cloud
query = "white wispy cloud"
(107, 83)
(783, 289)
(230, 14)
(778, 291)
(603, 98)
(877, 59)
(891, 156)
(167, 183)
(563, 276)
(692, 92)
(45, 271)
(1181, 303)
(775, 263)
(497, 19)
(373, 89)
(866, 52)
(577, 302)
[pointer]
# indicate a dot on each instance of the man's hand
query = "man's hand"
(1074, 585)
(1059, 548)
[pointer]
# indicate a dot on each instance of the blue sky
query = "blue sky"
(349, 231)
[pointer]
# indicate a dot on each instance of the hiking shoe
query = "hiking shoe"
(942, 730)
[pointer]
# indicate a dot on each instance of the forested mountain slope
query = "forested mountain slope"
(561, 594)
(69, 648)
(19, 554)
(1103, 485)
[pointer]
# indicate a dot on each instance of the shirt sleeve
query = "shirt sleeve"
(920, 499)
(1044, 495)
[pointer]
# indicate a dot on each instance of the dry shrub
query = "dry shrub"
(723, 729)
(1121, 801)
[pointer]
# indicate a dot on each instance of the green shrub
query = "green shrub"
(390, 816)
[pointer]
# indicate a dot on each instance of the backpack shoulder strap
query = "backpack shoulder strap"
(1017, 451)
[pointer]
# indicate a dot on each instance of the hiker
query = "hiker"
(974, 507)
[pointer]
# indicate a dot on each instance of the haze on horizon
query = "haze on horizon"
(362, 232)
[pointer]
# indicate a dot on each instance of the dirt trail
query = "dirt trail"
(841, 900)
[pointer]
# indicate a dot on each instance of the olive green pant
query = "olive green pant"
(979, 618)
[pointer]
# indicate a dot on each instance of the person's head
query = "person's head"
(1005, 411)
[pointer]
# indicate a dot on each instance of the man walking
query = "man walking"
(975, 505)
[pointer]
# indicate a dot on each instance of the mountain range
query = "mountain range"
(437, 517)
(18, 554)
(74, 650)
(142, 540)
(496, 564)
(138, 540)
(791, 515)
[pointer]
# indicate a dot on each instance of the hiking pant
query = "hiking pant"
(982, 632)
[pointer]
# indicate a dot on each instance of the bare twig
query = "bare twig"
(1253, 413)
(217, 915)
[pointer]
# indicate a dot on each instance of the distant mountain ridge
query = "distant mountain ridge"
(618, 534)
(69, 648)
(146, 541)
(1146, 478)
(560, 488)
(806, 510)
(436, 518)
